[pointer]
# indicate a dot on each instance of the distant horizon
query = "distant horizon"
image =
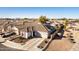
(36, 12)
(36, 17)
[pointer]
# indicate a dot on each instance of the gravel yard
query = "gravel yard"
(63, 44)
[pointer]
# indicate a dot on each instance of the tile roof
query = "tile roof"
(37, 26)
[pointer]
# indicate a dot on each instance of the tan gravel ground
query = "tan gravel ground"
(60, 44)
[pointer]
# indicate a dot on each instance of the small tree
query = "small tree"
(43, 19)
(66, 22)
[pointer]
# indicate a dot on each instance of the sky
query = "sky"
(35, 12)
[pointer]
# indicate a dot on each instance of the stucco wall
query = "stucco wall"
(24, 34)
(43, 34)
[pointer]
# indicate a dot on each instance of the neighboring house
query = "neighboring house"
(9, 27)
(16, 30)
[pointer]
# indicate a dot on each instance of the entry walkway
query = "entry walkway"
(2, 39)
(5, 48)
(30, 45)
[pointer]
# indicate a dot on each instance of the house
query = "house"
(27, 30)
(32, 29)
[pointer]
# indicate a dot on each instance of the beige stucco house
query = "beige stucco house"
(28, 29)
